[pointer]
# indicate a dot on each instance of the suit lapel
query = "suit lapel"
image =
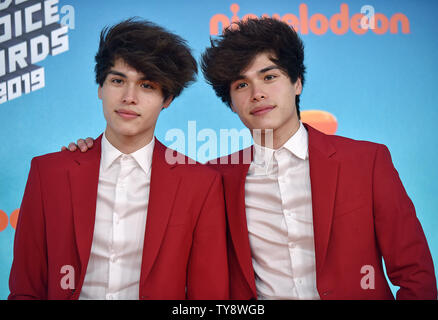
(234, 182)
(163, 188)
(84, 178)
(323, 177)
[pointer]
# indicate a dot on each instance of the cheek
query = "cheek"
(107, 102)
(105, 106)
(246, 119)
(154, 114)
(288, 96)
(239, 109)
(151, 107)
(108, 115)
(238, 104)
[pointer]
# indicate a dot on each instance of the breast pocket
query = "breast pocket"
(180, 218)
(349, 207)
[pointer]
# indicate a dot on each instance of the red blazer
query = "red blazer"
(361, 214)
(185, 237)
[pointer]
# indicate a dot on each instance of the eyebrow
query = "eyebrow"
(268, 69)
(261, 71)
(117, 73)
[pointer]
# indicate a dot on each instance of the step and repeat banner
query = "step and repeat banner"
(371, 75)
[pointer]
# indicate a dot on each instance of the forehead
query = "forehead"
(260, 64)
(121, 66)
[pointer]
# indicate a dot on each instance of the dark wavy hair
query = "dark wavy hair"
(234, 50)
(161, 56)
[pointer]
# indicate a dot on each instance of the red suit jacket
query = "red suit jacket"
(184, 254)
(361, 213)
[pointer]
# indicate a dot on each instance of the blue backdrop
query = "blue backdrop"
(379, 86)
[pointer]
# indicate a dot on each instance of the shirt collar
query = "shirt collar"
(297, 145)
(142, 156)
(262, 155)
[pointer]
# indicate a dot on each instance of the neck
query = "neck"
(274, 139)
(128, 144)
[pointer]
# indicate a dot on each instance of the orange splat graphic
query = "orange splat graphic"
(3, 220)
(13, 218)
(321, 120)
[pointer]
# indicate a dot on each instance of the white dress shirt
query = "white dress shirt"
(114, 266)
(280, 221)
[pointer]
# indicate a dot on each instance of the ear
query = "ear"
(99, 92)
(167, 102)
(298, 86)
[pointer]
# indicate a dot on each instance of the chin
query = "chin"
(127, 133)
(263, 125)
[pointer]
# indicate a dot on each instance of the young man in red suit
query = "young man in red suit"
(124, 221)
(310, 216)
(321, 211)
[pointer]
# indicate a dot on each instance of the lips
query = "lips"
(261, 110)
(127, 114)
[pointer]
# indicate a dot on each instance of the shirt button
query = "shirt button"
(113, 258)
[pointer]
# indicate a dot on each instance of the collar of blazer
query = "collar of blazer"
(84, 178)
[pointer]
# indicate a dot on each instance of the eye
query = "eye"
(117, 81)
(270, 77)
(146, 85)
(241, 85)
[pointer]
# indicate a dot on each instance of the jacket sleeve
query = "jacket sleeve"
(28, 277)
(207, 276)
(400, 236)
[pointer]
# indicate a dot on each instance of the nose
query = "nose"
(130, 95)
(258, 94)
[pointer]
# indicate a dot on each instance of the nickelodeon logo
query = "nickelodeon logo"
(319, 24)
(5, 220)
